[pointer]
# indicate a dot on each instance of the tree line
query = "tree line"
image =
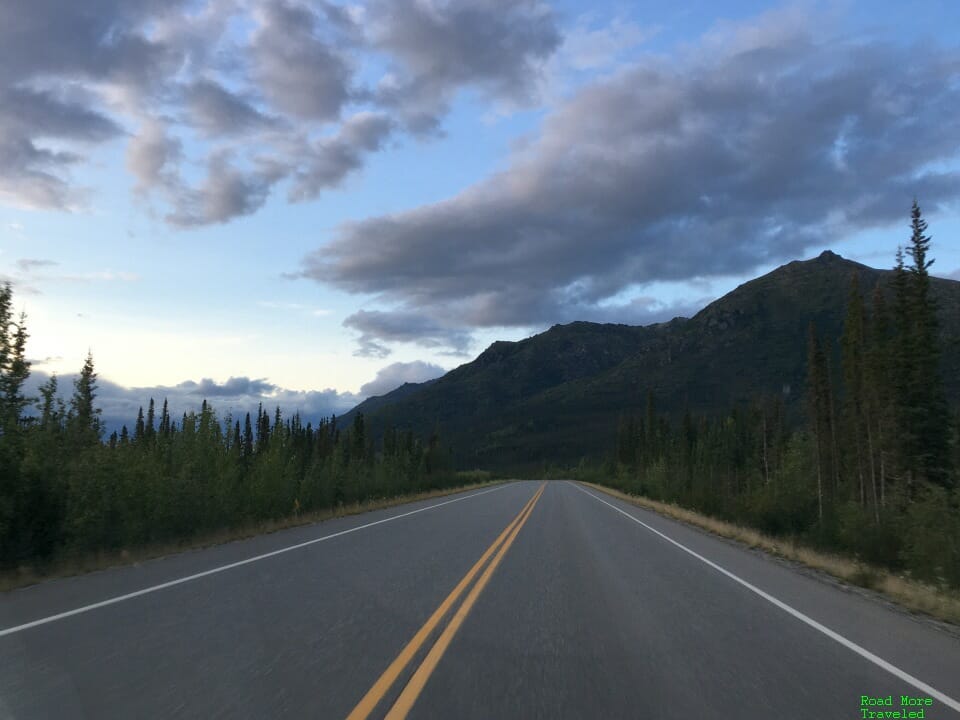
(66, 488)
(874, 470)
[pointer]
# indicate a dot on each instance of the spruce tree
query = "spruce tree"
(138, 429)
(926, 410)
(247, 437)
(148, 429)
(881, 396)
(164, 420)
(84, 423)
(818, 398)
(14, 371)
(49, 416)
(852, 346)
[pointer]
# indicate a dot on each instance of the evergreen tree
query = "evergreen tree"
(51, 408)
(818, 399)
(84, 421)
(880, 395)
(164, 420)
(14, 367)
(138, 429)
(247, 437)
(148, 429)
(852, 345)
(358, 439)
(926, 408)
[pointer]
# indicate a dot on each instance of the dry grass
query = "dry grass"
(910, 594)
(79, 565)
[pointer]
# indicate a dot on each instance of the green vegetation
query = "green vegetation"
(66, 491)
(873, 471)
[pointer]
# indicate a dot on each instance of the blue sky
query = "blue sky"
(333, 198)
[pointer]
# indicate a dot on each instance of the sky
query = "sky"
(305, 203)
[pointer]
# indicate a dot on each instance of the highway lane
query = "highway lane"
(294, 635)
(560, 606)
(592, 615)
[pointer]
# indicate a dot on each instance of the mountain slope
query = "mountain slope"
(557, 396)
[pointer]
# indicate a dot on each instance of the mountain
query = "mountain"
(558, 396)
(368, 406)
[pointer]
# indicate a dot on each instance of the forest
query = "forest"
(872, 473)
(67, 490)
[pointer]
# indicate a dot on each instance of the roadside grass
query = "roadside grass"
(91, 562)
(939, 603)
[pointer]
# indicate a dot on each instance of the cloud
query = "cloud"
(234, 387)
(226, 193)
(50, 52)
(96, 276)
(28, 265)
(300, 72)
(396, 374)
(237, 396)
(587, 47)
(710, 163)
(376, 327)
(37, 362)
(496, 46)
(179, 82)
(217, 111)
(31, 174)
(328, 161)
(153, 156)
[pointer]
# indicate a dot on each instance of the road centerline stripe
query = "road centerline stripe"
(420, 677)
(386, 680)
(229, 566)
(833, 635)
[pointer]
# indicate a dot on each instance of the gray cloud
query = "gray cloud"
(234, 387)
(396, 374)
(301, 72)
(153, 156)
(743, 151)
(217, 111)
(376, 327)
(497, 46)
(48, 51)
(237, 396)
(30, 173)
(97, 39)
(285, 74)
(28, 265)
(226, 193)
(32, 176)
(325, 163)
(54, 114)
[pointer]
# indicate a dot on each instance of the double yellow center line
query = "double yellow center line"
(420, 676)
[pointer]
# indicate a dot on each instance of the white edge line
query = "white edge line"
(863, 652)
(222, 568)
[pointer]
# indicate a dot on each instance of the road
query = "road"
(525, 600)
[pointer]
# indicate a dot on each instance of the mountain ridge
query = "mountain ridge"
(557, 396)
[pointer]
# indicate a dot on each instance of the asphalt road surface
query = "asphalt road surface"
(526, 600)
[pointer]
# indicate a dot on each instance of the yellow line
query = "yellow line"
(413, 689)
(389, 676)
